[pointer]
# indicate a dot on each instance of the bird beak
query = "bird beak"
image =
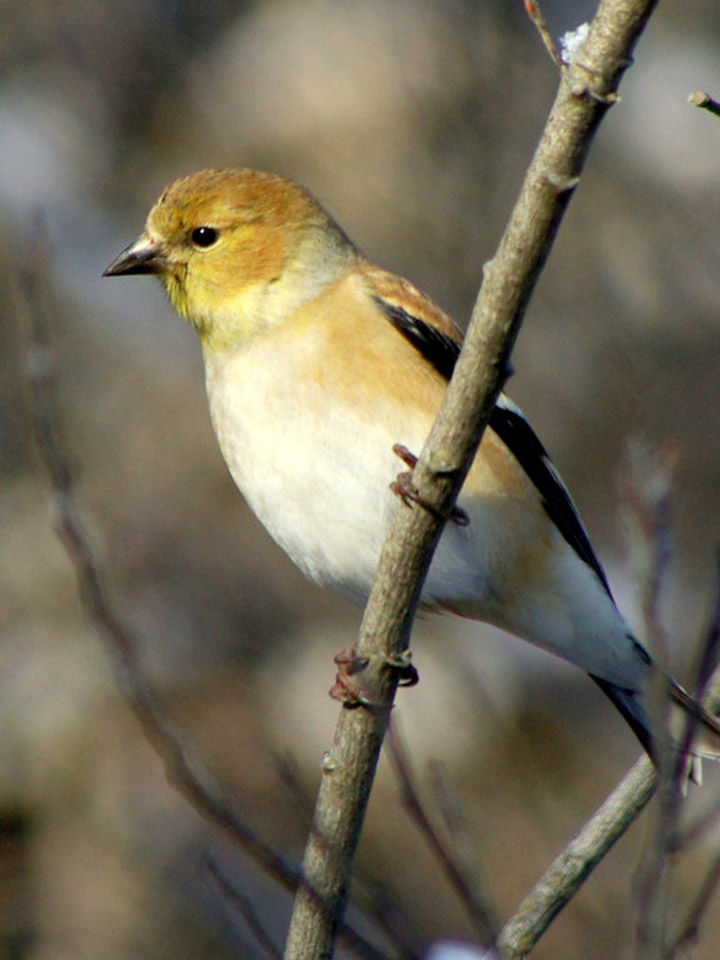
(141, 256)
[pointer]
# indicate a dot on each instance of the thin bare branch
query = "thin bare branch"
(456, 870)
(690, 928)
(462, 846)
(572, 867)
(707, 672)
(587, 89)
(532, 8)
(707, 676)
(703, 100)
(648, 482)
(245, 908)
(40, 316)
(707, 668)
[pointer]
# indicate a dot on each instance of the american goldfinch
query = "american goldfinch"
(317, 363)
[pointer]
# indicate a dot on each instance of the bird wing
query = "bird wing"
(441, 349)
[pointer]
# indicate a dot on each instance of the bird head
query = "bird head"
(223, 241)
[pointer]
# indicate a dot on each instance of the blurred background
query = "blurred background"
(413, 123)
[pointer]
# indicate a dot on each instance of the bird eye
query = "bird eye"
(204, 236)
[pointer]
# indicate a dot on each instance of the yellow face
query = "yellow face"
(220, 233)
(220, 238)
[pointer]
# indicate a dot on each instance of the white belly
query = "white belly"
(317, 474)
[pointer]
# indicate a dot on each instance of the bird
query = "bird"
(319, 366)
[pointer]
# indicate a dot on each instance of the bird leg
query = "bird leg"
(404, 488)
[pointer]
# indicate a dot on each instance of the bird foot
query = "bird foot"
(351, 688)
(404, 488)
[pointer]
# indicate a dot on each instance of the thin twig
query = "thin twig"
(700, 826)
(690, 929)
(245, 908)
(647, 500)
(647, 488)
(121, 644)
(288, 772)
(572, 867)
(706, 674)
(703, 100)
(40, 316)
(707, 667)
(532, 8)
(460, 878)
(452, 813)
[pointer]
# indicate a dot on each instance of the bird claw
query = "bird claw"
(349, 683)
(407, 675)
(404, 488)
(408, 458)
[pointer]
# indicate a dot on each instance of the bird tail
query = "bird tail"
(704, 725)
(631, 707)
(699, 739)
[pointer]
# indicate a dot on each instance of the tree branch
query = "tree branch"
(461, 875)
(587, 89)
(571, 868)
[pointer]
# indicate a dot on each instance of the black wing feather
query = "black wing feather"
(512, 428)
(440, 350)
(518, 436)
